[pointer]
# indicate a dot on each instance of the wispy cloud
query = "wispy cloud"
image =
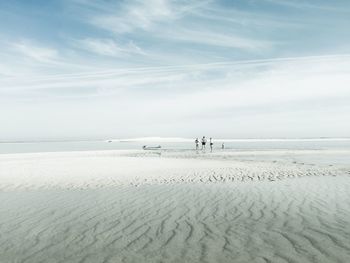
(158, 18)
(219, 93)
(141, 15)
(320, 5)
(287, 77)
(108, 47)
(219, 40)
(39, 53)
(174, 65)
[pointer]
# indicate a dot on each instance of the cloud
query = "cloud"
(254, 82)
(35, 52)
(247, 93)
(219, 40)
(137, 15)
(140, 15)
(168, 64)
(108, 47)
(175, 21)
(325, 5)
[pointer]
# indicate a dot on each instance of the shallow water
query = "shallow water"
(62, 146)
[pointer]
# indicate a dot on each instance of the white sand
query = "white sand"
(138, 206)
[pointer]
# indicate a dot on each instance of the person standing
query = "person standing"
(197, 143)
(223, 146)
(204, 142)
(211, 144)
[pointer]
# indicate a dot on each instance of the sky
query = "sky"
(89, 69)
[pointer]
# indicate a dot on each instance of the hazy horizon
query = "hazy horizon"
(83, 69)
(178, 139)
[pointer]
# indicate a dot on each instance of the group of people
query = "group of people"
(204, 143)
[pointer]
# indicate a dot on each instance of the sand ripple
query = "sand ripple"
(99, 170)
(87, 209)
(288, 221)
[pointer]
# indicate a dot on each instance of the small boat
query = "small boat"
(145, 147)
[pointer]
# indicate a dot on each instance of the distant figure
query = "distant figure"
(204, 142)
(222, 146)
(197, 143)
(211, 144)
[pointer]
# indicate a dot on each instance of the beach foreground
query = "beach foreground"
(132, 206)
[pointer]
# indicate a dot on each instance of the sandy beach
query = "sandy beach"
(173, 131)
(174, 206)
